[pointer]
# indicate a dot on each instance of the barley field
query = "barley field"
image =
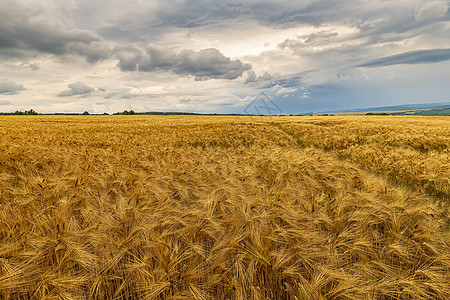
(199, 207)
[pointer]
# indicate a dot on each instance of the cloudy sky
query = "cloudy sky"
(217, 56)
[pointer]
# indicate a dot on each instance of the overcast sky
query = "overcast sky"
(217, 56)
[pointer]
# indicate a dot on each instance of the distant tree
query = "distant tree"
(106, 114)
(27, 112)
(126, 112)
(31, 112)
(85, 113)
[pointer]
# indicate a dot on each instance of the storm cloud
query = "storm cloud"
(23, 35)
(203, 65)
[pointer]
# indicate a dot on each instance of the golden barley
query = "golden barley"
(172, 207)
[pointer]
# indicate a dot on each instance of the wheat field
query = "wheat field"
(198, 207)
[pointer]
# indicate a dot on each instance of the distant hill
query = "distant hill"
(424, 112)
(423, 109)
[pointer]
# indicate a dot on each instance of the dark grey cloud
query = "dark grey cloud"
(195, 13)
(162, 17)
(22, 36)
(10, 88)
(377, 20)
(77, 89)
(165, 18)
(203, 65)
(129, 57)
(412, 57)
(374, 17)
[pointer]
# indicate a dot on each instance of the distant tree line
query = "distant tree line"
(27, 112)
(125, 112)
(377, 114)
